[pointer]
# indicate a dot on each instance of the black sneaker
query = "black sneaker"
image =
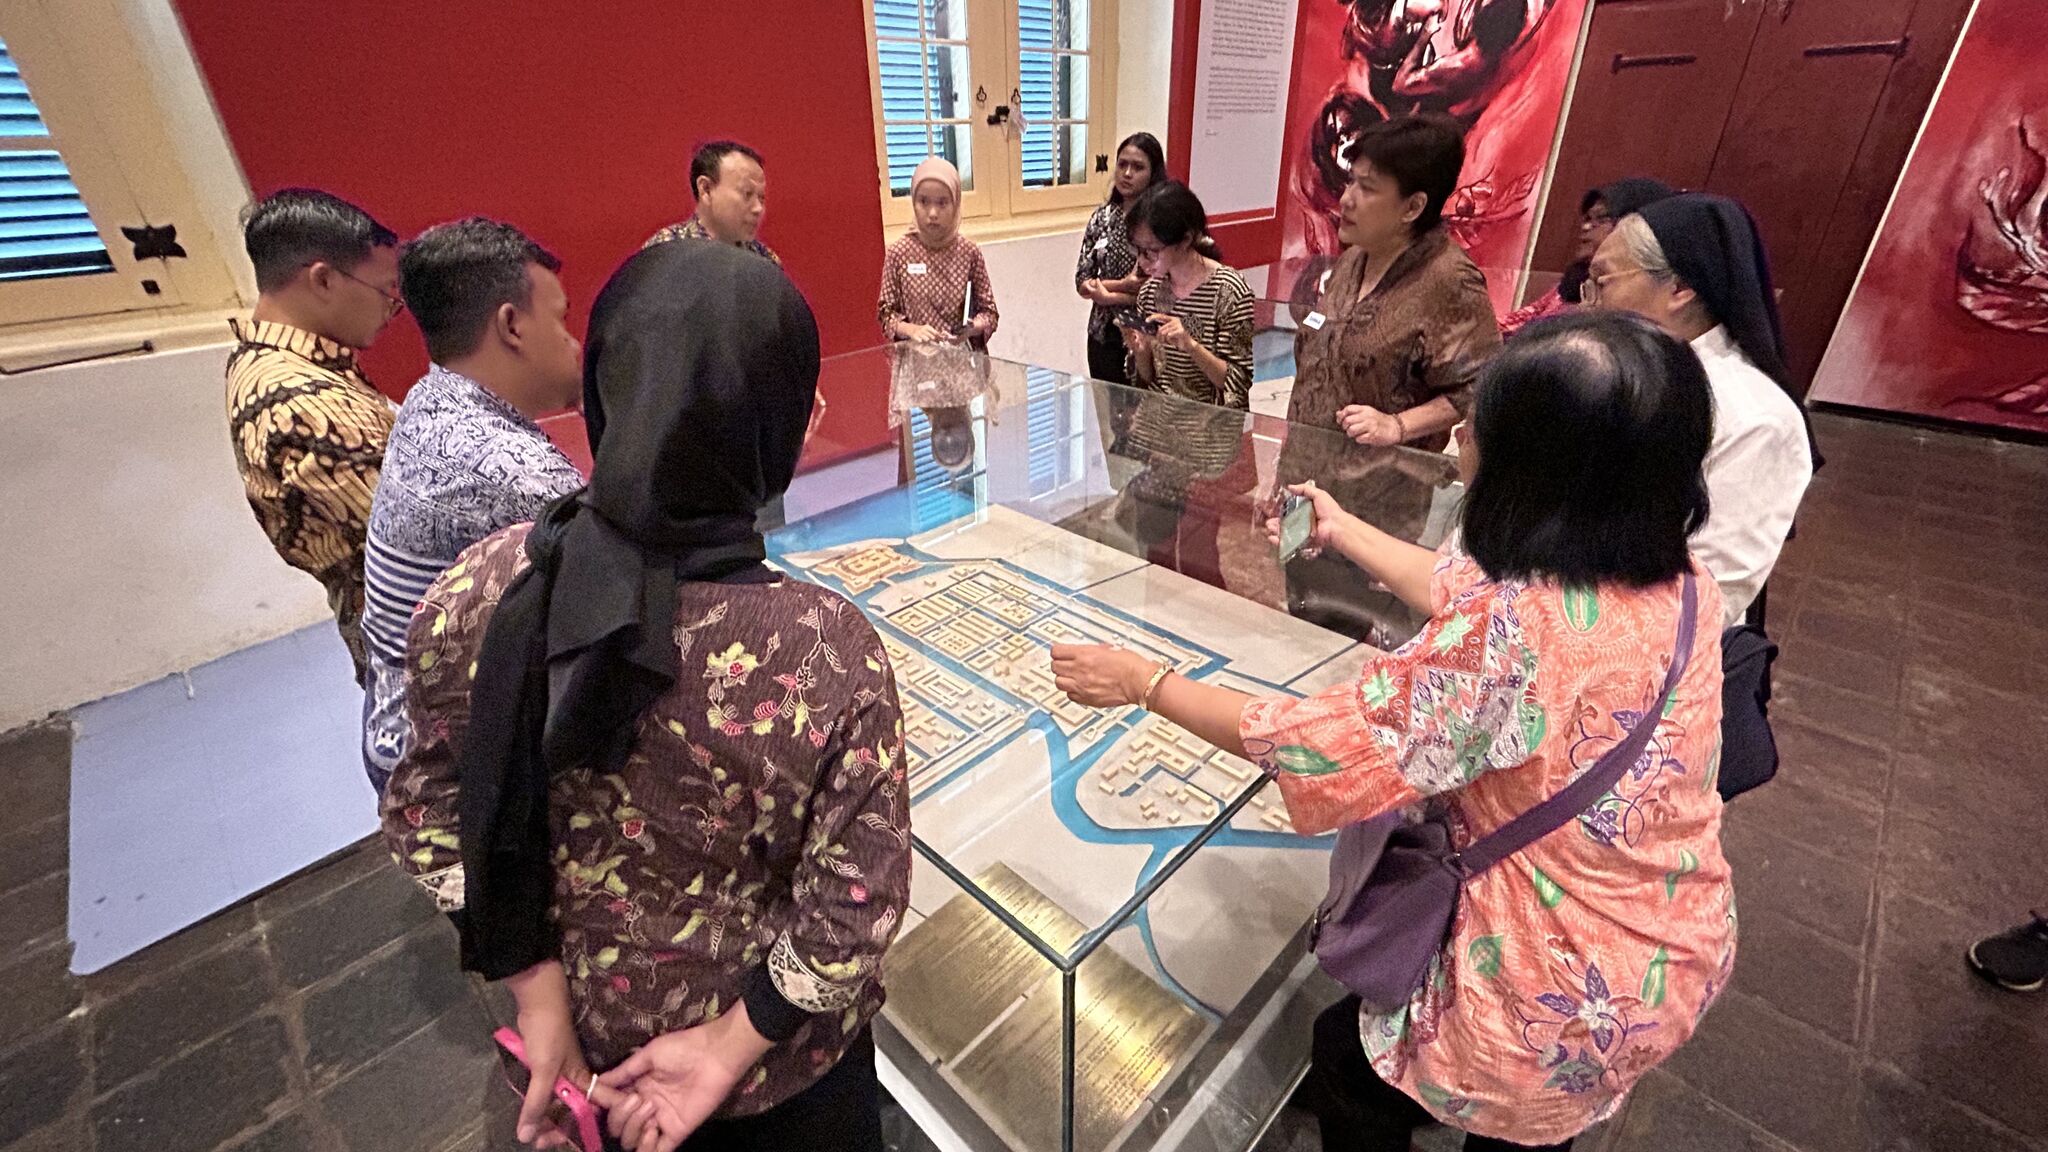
(2015, 960)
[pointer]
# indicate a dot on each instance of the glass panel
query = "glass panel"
(1035, 22)
(946, 19)
(952, 84)
(896, 18)
(1073, 154)
(1070, 90)
(18, 114)
(908, 144)
(902, 80)
(1029, 507)
(955, 143)
(1070, 24)
(1035, 85)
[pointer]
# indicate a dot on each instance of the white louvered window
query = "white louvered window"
(1016, 93)
(63, 197)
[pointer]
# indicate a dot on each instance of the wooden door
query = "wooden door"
(1807, 97)
(1652, 99)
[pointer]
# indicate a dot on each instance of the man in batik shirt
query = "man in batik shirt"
(731, 188)
(308, 428)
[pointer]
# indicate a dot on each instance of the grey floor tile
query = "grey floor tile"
(350, 1021)
(41, 1078)
(68, 1134)
(195, 1102)
(1778, 1074)
(1667, 1115)
(430, 1087)
(325, 935)
(34, 916)
(1901, 1116)
(1991, 877)
(1941, 1026)
(39, 990)
(1853, 766)
(1785, 877)
(1800, 972)
(151, 1023)
(336, 872)
(1806, 811)
(1873, 677)
(292, 1132)
(31, 853)
(167, 956)
(1823, 708)
(35, 776)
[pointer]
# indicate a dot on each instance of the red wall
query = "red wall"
(573, 121)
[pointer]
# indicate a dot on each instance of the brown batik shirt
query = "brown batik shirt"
(309, 431)
(759, 827)
(1423, 332)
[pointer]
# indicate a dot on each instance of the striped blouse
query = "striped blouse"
(1219, 315)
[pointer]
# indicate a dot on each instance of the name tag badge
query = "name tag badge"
(915, 269)
(1313, 321)
(1102, 244)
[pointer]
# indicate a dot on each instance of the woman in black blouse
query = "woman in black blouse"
(1107, 274)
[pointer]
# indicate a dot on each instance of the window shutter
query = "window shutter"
(45, 229)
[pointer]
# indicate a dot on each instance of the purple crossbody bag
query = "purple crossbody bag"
(1394, 885)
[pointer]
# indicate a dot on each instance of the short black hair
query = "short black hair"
(1172, 212)
(710, 156)
(1592, 431)
(293, 227)
(456, 276)
(1423, 153)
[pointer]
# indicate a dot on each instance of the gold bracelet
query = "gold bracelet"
(1152, 686)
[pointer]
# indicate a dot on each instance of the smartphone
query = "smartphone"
(572, 1113)
(1142, 323)
(1297, 524)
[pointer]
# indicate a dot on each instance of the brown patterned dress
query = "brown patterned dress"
(759, 825)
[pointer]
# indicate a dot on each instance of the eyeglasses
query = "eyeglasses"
(393, 303)
(1591, 292)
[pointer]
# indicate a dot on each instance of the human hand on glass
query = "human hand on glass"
(1100, 676)
(1328, 514)
(919, 333)
(674, 1083)
(1370, 426)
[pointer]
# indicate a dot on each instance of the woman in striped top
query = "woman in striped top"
(1194, 345)
(1196, 336)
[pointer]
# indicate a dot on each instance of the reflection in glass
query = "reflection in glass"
(1107, 913)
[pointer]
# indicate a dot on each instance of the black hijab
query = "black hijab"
(1624, 197)
(1712, 243)
(699, 375)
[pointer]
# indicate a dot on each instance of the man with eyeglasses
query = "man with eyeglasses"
(307, 426)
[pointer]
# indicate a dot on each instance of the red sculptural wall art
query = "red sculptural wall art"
(1501, 66)
(1950, 317)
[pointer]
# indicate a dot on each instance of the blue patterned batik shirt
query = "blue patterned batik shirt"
(461, 464)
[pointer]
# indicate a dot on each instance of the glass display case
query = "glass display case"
(1105, 947)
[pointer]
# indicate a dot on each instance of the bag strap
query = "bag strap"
(1596, 782)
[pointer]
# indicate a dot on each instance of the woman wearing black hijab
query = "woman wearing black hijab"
(1600, 209)
(662, 785)
(1695, 265)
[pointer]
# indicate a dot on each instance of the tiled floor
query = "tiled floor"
(327, 1015)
